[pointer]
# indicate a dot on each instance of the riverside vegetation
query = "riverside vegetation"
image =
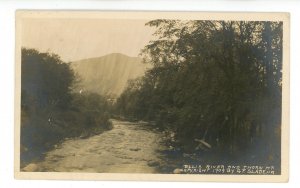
(50, 111)
(213, 88)
(213, 85)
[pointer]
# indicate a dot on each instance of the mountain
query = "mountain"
(108, 75)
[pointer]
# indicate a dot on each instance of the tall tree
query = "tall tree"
(219, 81)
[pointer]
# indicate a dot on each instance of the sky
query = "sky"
(76, 39)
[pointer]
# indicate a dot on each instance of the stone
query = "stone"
(134, 149)
(31, 168)
(177, 171)
(153, 163)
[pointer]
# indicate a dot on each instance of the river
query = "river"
(127, 148)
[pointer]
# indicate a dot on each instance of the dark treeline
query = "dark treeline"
(214, 81)
(50, 110)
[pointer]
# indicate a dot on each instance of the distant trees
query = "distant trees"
(219, 81)
(50, 110)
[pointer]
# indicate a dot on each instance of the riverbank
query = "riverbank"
(29, 158)
(127, 148)
(130, 147)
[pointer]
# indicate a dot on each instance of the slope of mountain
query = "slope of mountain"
(108, 75)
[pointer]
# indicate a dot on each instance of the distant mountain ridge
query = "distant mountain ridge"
(108, 75)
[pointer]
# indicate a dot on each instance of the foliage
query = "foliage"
(219, 81)
(50, 110)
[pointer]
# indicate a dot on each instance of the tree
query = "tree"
(46, 78)
(219, 81)
(50, 109)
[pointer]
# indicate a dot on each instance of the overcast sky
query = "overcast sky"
(75, 39)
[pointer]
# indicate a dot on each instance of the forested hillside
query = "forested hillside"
(210, 90)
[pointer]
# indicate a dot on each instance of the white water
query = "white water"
(127, 148)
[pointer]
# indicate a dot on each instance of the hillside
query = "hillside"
(108, 75)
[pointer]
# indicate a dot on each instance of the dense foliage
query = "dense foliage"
(50, 110)
(216, 81)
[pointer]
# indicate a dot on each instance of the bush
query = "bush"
(50, 111)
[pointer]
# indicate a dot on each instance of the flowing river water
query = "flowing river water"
(126, 148)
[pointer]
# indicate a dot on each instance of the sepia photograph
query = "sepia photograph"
(164, 96)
